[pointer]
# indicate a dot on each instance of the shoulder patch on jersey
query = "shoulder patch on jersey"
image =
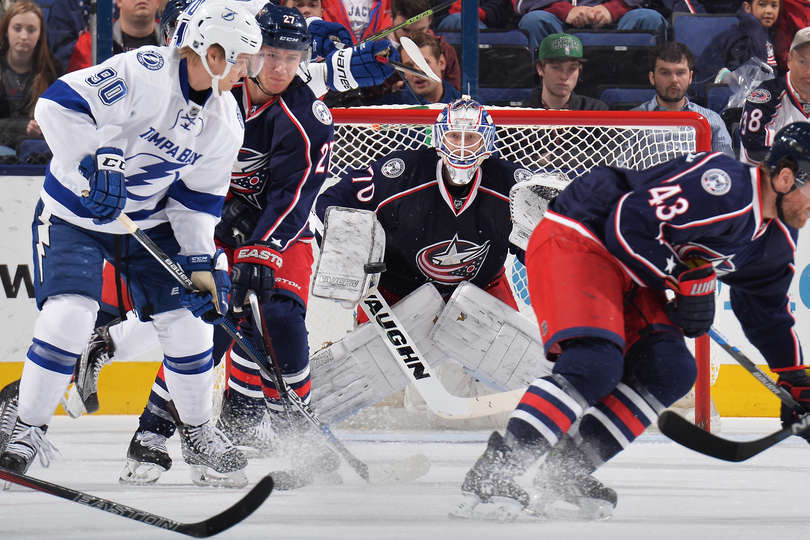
(716, 182)
(760, 95)
(151, 60)
(321, 112)
(521, 175)
(392, 168)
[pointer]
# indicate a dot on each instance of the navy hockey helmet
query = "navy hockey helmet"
(284, 28)
(792, 142)
(168, 19)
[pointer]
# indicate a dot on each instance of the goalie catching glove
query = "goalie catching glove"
(359, 66)
(798, 384)
(107, 195)
(254, 269)
(210, 278)
(693, 307)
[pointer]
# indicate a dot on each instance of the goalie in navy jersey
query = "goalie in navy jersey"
(599, 264)
(445, 210)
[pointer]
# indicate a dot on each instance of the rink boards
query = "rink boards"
(124, 386)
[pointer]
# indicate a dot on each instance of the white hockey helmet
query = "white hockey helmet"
(220, 22)
(464, 136)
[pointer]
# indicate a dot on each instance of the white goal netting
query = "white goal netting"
(570, 142)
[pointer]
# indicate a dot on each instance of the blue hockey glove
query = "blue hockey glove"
(693, 308)
(361, 66)
(324, 35)
(239, 218)
(798, 384)
(108, 191)
(210, 278)
(254, 269)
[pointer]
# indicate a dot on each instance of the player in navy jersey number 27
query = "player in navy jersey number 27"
(599, 264)
(152, 132)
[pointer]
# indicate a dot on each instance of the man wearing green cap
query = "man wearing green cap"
(559, 64)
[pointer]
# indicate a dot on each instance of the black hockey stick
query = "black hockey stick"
(695, 438)
(393, 470)
(200, 529)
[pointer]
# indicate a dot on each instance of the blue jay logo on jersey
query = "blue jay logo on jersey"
(190, 120)
(145, 169)
(452, 261)
(151, 60)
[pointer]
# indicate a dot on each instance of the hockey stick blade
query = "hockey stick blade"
(687, 434)
(201, 529)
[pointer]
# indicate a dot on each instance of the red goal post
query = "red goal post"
(571, 142)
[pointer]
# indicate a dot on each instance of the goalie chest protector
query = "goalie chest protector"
(433, 233)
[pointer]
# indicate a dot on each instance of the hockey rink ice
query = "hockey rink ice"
(665, 492)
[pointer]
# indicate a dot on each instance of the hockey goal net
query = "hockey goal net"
(570, 142)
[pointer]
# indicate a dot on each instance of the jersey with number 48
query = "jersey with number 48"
(768, 108)
(178, 153)
(703, 206)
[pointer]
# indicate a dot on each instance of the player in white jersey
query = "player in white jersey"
(153, 133)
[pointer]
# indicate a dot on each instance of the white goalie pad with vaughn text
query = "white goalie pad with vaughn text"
(359, 370)
(352, 251)
(495, 343)
(528, 202)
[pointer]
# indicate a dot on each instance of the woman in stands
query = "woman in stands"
(26, 70)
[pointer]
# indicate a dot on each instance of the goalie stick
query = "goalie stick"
(695, 438)
(200, 529)
(402, 470)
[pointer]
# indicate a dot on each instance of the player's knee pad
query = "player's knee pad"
(663, 365)
(66, 322)
(593, 366)
(182, 334)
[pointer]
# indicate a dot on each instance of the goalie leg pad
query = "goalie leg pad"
(494, 343)
(359, 371)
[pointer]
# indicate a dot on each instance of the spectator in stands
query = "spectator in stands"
(363, 17)
(66, 20)
(543, 17)
(671, 69)
(559, 65)
(418, 90)
(794, 15)
(308, 8)
(136, 26)
(26, 69)
(752, 37)
(491, 14)
(401, 11)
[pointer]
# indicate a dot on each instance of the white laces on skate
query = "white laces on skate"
(30, 441)
(152, 440)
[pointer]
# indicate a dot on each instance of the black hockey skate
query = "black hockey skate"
(25, 443)
(9, 397)
(214, 460)
(566, 489)
(96, 355)
(489, 488)
(253, 434)
(147, 459)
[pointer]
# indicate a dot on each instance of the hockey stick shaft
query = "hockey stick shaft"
(418, 17)
(291, 397)
(201, 529)
(177, 272)
(417, 369)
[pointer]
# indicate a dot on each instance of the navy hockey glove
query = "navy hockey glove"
(324, 35)
(210, 278)
(108, 191)
(798, 384)
(693, 307)
(361, 66)
(254, 269)
(239, 218)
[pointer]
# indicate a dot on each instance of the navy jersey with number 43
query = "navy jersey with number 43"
(283, 161)
(698, 206)
(433, 234)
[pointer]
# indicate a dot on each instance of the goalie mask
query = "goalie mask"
(213, 22)
(464, 136)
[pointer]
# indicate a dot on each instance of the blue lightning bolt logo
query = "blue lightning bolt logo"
(150, 172)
